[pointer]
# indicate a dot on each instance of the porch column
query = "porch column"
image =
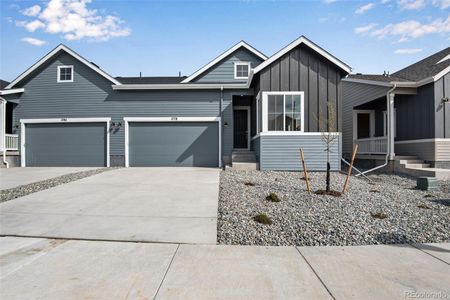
(391, 134)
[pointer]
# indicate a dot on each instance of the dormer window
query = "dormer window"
(65, 73)
(241, 70)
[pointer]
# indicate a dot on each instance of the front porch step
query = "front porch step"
(243, 156)
(245, 166)
(416, 165)
(413, 166)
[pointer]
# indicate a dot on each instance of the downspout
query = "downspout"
(389, 133)
(4, 131)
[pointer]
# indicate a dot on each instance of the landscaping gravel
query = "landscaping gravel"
(27, 189)
(301, 219)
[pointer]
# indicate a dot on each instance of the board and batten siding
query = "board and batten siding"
(282, 152)
(302, 69)
(223, 71)
(91, 96)
(355, 94)
(442, 90)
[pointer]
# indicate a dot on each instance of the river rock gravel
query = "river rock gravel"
(317, 220)
(27, 189)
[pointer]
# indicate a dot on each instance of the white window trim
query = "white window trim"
(355, 121)
(127, 120)
(265, 110)
(247, 108)
(23, 123)
(384, 122)
(59, 73)
(236, 64)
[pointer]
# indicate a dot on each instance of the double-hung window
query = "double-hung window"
(283, 112)
(65, 73)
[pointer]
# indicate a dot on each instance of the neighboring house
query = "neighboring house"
(242, 105)
(418, 97)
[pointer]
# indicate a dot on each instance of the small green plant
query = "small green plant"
(248, 183)
(378, 215)
(424, 206)
(263, 219)
(273, 197)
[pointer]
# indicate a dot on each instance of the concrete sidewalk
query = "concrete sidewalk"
(58, 269)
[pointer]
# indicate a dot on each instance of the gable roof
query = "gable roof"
(427, 67)
(310, 44)
(3, 84)
(222, 56)
(151, 80)
(54, 52)
(425, 71)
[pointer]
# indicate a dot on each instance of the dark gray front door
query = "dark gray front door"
(65, 144)
(240, 125)
(194, 144)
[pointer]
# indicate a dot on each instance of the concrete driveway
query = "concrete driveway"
(130, 204)
(14, 177)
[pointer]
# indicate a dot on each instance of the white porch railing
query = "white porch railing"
(11, 141)
(375, 145)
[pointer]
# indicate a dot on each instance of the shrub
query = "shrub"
(273, 197)
(263, 219)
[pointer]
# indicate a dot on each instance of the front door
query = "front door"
(363, 125)
(241, 130)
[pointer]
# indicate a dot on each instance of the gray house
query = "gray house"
(405, 115)
(241, 107)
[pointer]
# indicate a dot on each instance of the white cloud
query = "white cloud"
(362, 9)
(365, 29)
(411, 4)
(442, 4)
(329, 1)
(413, 29)
(408, 51)
(33, 41)
(32, 11)
(75, 21)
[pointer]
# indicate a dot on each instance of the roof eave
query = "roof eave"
(11, 91)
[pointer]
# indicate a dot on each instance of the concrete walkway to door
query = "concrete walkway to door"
(133, 204)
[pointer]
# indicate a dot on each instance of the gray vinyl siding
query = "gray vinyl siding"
(91, 95)
(223, 72)
(423, 150)
(441, 90)
(304, 70)
(66, 144)
(283, 153)
(193, 144)
(355, 94)
(256, 146)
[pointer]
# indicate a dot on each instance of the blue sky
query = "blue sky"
(167, 37)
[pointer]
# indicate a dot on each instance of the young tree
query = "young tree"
(329, 135)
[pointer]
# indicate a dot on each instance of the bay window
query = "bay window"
(282, 112)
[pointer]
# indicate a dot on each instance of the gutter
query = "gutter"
(180, 86)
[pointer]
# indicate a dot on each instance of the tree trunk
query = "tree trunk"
(328, 170)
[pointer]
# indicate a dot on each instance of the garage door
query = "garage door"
(173, 144)
(65, 144)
